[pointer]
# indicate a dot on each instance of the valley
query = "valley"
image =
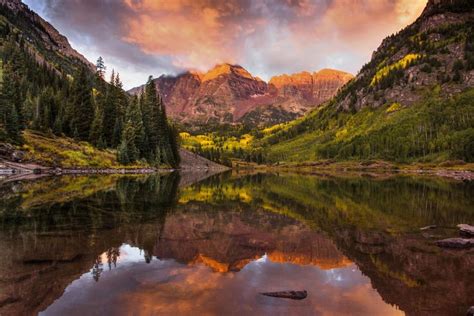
(412, 103)
(237, 157)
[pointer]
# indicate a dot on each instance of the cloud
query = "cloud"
(267, 36)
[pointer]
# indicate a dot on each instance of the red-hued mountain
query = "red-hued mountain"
(229, 93)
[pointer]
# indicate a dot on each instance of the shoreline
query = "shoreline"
(8, 168)
(457, 172)
(24, 169)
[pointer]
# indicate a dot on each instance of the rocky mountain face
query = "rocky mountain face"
(229, 93)
(437, 49)
(44, 41)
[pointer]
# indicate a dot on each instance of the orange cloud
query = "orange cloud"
(267, 37)
(200, 33)
(197, 33)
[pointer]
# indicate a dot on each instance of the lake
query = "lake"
(200, 244)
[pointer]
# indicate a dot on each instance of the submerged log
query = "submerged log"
(293, 295)
(466, 229)
(458, 243)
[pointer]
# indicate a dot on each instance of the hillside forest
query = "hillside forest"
(79, 103)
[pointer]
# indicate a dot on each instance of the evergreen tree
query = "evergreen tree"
(127, 150)
(122, 154)
(117, 132)
(45, 113)
(148, 102)
(8, 110)
(100, 68)
(109, 111)
(134, 115)
(83, 110)
(96, 131)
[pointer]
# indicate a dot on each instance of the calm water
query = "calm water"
(180, 244)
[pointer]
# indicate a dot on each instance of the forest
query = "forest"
(44, 97)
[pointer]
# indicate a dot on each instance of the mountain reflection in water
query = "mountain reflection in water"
(165, 287)
(146, 245)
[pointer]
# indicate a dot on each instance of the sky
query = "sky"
(139, 38)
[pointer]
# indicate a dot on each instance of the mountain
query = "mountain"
(413, 101)
(43, 40)
(229, 93)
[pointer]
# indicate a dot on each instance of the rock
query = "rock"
(293, 295)
(6, 150)
(456, 243)
(470, 311)
(18, 156)
(428, 227)
(466, 229)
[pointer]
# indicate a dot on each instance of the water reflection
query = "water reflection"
(157, 245)
(166, 287)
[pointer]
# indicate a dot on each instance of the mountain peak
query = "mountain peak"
(330, 71)
(226, 69)
(299, 78)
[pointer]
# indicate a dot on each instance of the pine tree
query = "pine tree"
(149, 100)
(122, 154)
(117, 132)
(8, 111)
(83, 109)
(100, 68)
(96, 131)
(128, 141)
(168, 138)
(134, 115)
(110, 113)
(45, 113)
(120, 106)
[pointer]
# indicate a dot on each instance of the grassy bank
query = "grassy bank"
(64, 152)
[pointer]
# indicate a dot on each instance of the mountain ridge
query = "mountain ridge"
(43, 33)
(230, 94)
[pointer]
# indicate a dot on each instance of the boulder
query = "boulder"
(456, 243)
(466, 229)
(470, 311)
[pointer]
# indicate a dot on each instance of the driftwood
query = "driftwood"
(293, 295)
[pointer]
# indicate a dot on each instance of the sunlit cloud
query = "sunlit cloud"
(268, 37)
